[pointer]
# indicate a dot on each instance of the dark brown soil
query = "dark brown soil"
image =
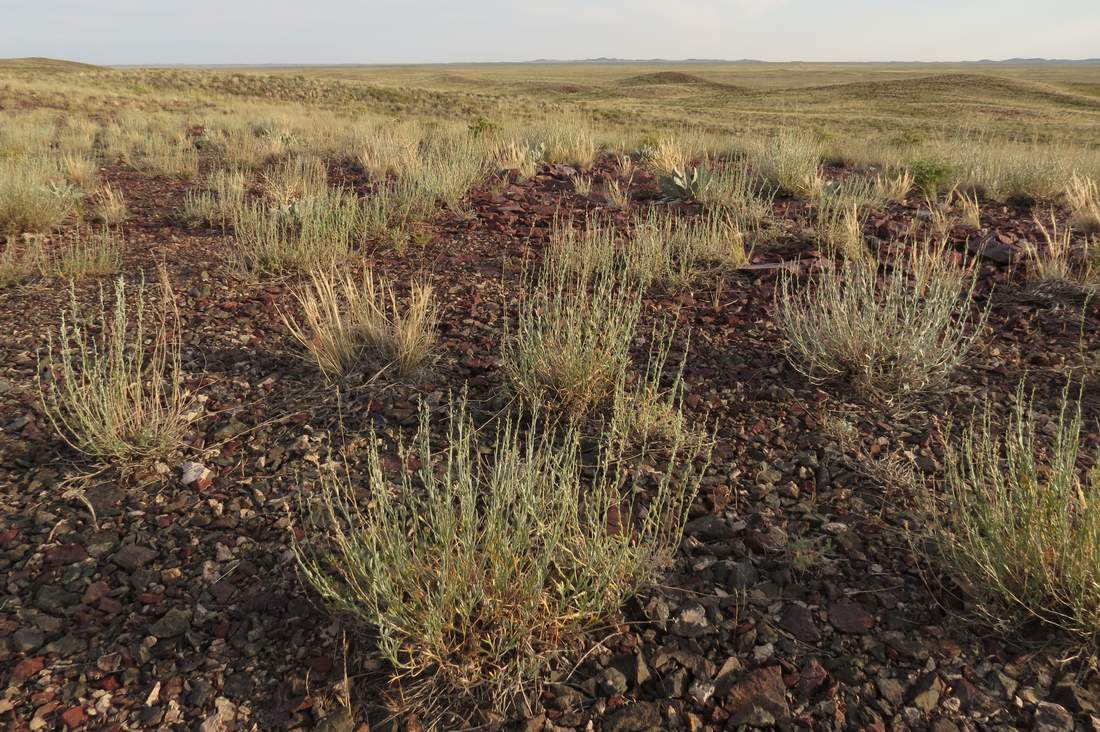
(132, 601)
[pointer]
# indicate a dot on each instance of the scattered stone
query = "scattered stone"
(702, 690)
(762, 688)
(799, 622)
(891, 690)
(73, 717)
(1050, 717)
(925, 694)
(690, 621)
(812, 677)
(173, 623)
(53, 599)
(709, 528)
(132, 556)
(638, 717)
(26, 640)
(850, 617)
(612, 682)
(224, 715)
(192, 472)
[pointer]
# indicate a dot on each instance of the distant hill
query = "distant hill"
(35, 63)
(665, 61)
(653, 61)
(1042, 61)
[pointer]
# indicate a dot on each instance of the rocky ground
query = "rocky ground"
(167, 597)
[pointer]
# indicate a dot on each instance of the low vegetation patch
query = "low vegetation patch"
(1018, 525)
(348, 323)
(570, 343)
(890, 328)
(481, 570)
(113, 386)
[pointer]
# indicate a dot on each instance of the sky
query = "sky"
(434, 31)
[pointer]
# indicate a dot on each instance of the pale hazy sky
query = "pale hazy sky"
(384, 31)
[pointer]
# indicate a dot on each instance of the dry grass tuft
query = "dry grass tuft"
(896, 188)
(1083, 197)
(346, 322)
(109, 206)
(34, 197)
(571, 340)
(84, 253)
(1058, 266)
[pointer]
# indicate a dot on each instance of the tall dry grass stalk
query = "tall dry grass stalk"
(1083, 197)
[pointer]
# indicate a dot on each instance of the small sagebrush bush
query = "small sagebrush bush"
(571, 339)
(347, 322)
(890, 330)
(931, 175)
(34, 197)
(108, 393)
(1018, 525)
(482, 570)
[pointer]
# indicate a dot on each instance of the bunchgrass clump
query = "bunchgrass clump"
(114, 389)
(889, 329)
(84, 253)
(839, 222)
(17, 263)
(481, 570)
(347, 324)
(1058, 266)
(895, 188)
(1017, 526)
(109, 206)
(34, 196)
(1083, 197)
(677, 252)
(571, 339)
(313, 231)
(792, 163)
